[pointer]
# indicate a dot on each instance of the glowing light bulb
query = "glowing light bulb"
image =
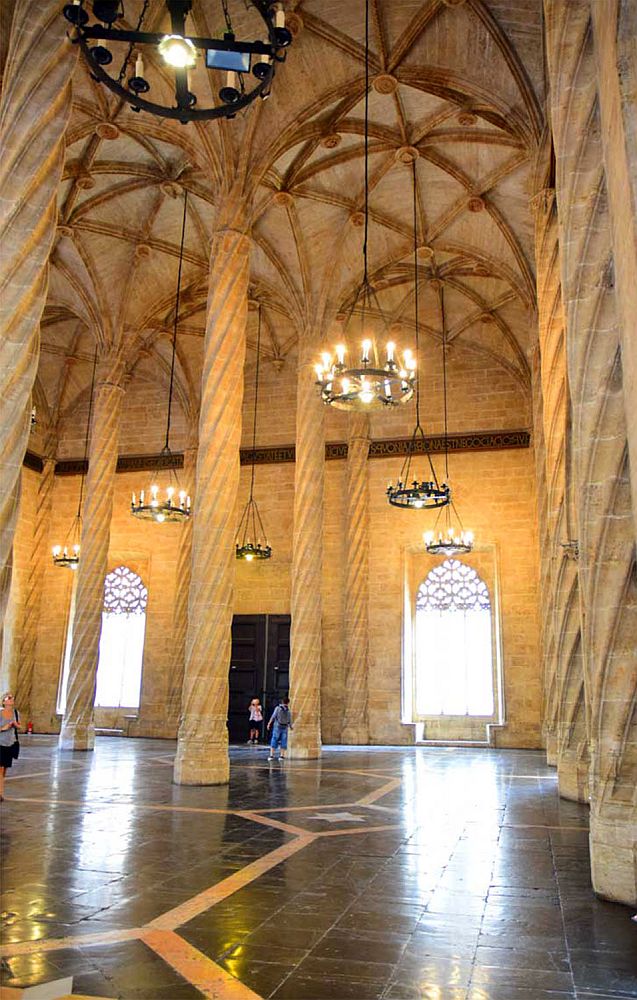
(160, 518)
(345, 384)
(428, 537)
(391, 347)
(319, 372)
(249, 557)
(57, 549)
(177, 51)
(367, 346)
(326, 360)
(340, 353)
(154, 491)
(469, 537)
(365, 395)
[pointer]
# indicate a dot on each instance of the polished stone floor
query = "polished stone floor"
(420, 874)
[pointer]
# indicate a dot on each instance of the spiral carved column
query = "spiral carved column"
(35, 107)
(355, 720)
(305, 634)
(39, 557)
(180, 607)
(202, 748)
(77, 728)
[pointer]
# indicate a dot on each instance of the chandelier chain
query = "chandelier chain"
(444, 375)
(130, 47)
(176, 321)
(88, 434)
(366, 148)
(416, 306)
(256, 401)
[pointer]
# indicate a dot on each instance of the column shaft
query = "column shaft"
(355, 718)
(306, 630)
(34, 110)
(77, 731)
(40, 555)
(202, 749)
(182, 588)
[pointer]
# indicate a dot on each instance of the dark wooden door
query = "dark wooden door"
(259, 668)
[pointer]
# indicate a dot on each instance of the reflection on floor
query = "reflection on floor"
(419, 874)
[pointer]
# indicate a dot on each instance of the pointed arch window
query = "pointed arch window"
(119, 669)
(454, 664)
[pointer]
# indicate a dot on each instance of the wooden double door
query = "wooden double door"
(259, 668)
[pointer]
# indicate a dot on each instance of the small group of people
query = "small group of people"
(280, 723)
(9, 742)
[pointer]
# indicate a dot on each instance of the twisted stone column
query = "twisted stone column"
(607, 666)
(39, 558)
(77, 731)
(305, 633)
(180, 606)
(355, 721)
(202, 748)
(34, 110)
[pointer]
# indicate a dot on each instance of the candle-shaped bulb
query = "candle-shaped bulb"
(133, 501)
(340, 353)
(279, 17)
(154, 491)
(469, 537)
(326, 360)
(365, 395)
(345, 384)
(76, 550)
(391, 347)
(367, 346)
(187, 503)
(170, 493)
(319, 372)
(160, 518)
(231, 79)
(141, 498)
(428, 537)
(56, 551)
(139, 65)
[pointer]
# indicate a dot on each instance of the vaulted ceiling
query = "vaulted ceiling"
(455, 85)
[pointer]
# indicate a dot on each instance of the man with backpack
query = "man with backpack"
(280, 723)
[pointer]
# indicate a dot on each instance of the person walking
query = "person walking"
(256, 718)
(9, 743)
(280, 723)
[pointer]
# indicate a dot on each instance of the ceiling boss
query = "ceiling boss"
(233, 64)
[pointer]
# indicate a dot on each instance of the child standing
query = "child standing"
(256, 718)
(280, 723)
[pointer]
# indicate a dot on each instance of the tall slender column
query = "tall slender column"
(355, 720)
(202, 748)
(180, 606)
(39, 556)
(601, 444)
(77, 731)
(34, 110)
(305, 634)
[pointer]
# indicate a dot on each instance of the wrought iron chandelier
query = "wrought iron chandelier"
(237, 60)
(409, 491)
(251, 538)
(68, 555)
(373, 383)
(173, 505)
(453, 540)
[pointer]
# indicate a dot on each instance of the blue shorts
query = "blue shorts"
(279, 736)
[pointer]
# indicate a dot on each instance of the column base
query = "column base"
(613, 845)
(304, 751)
(76, 736)
(551, 749)
(201, 763)
(573, 776)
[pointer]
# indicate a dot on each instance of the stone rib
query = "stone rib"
(202, 754)
(306, 630)
(77, 728)
(355, 716)
(34, 111)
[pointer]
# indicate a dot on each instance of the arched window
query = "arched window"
(454, 647)
(119, 669)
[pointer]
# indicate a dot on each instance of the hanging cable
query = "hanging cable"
(130, 47)
(366, 146)
(176, 320)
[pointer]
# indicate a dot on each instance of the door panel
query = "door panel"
(259, 668)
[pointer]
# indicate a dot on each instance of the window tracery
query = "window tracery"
(453, 586)
(124, 593)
